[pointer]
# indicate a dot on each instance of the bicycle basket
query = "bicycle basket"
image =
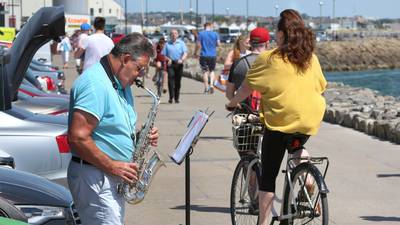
(246, 136)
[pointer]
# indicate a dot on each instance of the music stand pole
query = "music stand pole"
(187, 185)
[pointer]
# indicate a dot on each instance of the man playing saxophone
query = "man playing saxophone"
(102, 131)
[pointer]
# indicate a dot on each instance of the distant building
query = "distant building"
(13, 13)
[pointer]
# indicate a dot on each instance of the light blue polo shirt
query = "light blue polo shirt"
(93, 93)
(174, 50)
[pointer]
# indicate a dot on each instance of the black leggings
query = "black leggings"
(273, 150)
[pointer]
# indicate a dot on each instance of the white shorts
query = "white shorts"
(95, 195)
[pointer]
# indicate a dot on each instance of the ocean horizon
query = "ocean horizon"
(387, 82)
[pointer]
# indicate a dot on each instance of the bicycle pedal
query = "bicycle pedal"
(283, 171)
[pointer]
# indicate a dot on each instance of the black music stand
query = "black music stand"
(184, 149)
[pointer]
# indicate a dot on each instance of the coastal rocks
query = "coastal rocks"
(361, 54)
(364, 110)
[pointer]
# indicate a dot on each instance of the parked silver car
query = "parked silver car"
(37, 147)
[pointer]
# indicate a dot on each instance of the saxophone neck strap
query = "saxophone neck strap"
(105, 62)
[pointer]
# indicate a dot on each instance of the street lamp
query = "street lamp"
(276, 10)
(227, 11)
(320, 14)
(190, 15)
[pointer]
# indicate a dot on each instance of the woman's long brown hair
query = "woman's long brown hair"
(298, 41)
(236, 47)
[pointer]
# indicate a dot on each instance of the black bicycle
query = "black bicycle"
(305, 192)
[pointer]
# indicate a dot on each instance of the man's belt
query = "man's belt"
(79, 160)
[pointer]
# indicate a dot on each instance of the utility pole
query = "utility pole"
(181, 6)
(142, 10)
(213, 12)
(126, 18)
(191, 11)
(147, 13)
(197, 16)
(320, 14)
(333, 10)
(247, 16)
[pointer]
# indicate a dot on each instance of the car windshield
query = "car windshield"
(223, 30)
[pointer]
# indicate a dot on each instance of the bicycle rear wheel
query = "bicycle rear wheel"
(244, 208)
(159, 82)
(305, 204)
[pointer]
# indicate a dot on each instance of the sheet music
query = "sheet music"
(195, 127)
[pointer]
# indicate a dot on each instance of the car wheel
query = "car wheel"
(9, 211)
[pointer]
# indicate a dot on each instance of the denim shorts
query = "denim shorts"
(95, 195)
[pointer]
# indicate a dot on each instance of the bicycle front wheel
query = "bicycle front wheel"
(304, 203)
(244, 199)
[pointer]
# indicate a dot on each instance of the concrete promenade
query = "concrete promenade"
(363, 178)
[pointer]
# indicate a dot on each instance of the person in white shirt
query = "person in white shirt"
(79, 52)
(96, 45)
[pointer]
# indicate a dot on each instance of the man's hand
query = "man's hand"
(154, 136)
(169, 62)
(180, 61)
(126, 171)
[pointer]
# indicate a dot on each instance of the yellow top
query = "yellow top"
(291, 101)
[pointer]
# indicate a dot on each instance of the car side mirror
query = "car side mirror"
(7, 161)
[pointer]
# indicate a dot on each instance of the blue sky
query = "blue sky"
(367, 8)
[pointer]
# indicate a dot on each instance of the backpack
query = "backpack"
(254, 99)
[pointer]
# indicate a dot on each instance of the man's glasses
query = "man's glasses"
(140, 69)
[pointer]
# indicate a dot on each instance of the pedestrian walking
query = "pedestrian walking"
(79, 52)
(291, 82)
(102, 130)
(176, 52)
(96, 45)
(64, 47)
(207, 43)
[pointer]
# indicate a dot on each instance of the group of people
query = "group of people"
(103, 122)
(290, 82)
(87, 48)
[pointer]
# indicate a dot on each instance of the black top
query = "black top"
(239, 69)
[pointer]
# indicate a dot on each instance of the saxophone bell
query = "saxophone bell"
(135, 194)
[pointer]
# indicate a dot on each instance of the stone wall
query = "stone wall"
(364, 110)
(359, 108)
(359, 54)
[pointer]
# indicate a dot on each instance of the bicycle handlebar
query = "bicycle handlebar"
(242, 106)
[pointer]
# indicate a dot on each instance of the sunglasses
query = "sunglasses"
(140, 69)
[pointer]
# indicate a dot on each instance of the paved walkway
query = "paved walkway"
(364, 175)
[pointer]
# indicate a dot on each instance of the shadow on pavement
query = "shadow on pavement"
(388, 175)
(202, 208)
(216, 137)
(381, 218)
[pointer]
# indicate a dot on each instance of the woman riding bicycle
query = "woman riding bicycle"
(291, 83)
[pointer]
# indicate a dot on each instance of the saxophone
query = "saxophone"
(148, 161)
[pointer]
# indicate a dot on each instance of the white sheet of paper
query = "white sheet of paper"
(195, 126)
